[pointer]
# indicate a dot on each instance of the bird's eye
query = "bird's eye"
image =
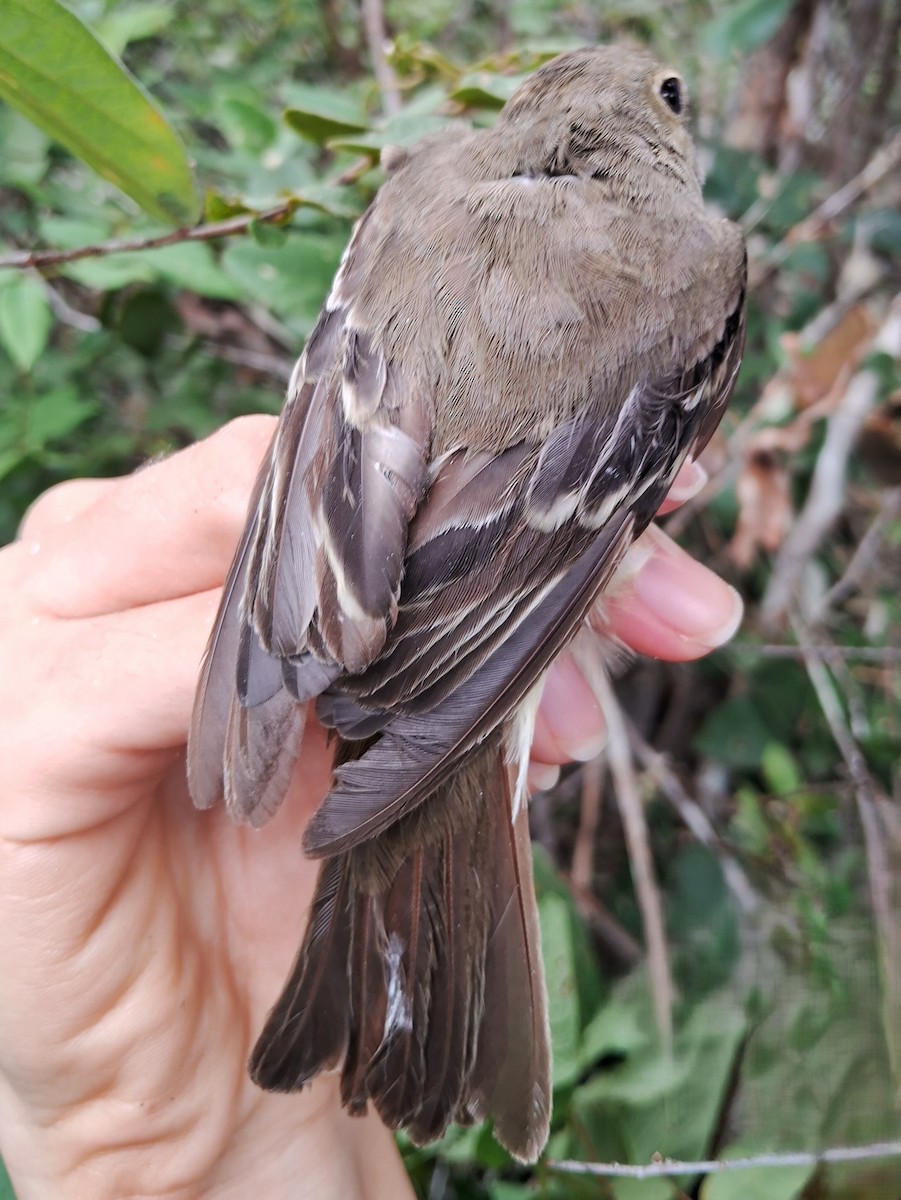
(671, 93)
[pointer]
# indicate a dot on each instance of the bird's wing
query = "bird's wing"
(314, 588)
(506, 555)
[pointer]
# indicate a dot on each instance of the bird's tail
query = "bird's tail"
(420, 974)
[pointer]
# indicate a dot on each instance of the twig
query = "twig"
(197, 233)
(695, 819)
(582, 870)
(619, 756)
(65, 313)
(877, 840)
(863, 557)
(877, 654)
(374, 24)
(668, 1166)
(267, 364)
(827, 489)
(881, 165)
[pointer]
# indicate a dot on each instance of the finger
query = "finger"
(690, 480)
(101, 713)
(169, 530)
(665, 604)
(61, 504)
(569, 724)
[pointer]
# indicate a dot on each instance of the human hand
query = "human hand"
(142, 941)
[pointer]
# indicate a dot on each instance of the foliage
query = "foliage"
(782, 1041)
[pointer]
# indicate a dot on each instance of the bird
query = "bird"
(532, 328)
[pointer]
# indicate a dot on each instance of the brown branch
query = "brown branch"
(197, 233)
(374, 24)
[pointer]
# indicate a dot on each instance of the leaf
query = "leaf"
(484, 89)
(756, 1183)
(25, 321)
(402, 130)
(6, 1188)
(643, 1189)
(563, 994)
(36, 422)
(124, 25)
(291, 280)
(319, 113)
(743, 27)
(190, 265)
(734, 734)
(55, 71)
(780, 770)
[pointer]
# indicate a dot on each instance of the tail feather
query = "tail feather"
(424, 946)
(307, 1031)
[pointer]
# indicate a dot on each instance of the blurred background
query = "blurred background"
(745, 997)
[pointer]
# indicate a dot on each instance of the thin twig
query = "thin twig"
(628, 798)
(374, 24)
(582, 869)
(825, 498)
(883, 655)
(669, 1167)
(865, 555)
(197, 233)
(877, 840)
(881, 165)
(266, 364)
(694, 817)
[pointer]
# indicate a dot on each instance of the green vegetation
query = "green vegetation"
(783, 925)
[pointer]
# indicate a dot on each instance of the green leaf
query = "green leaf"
(55, 71)
(290, 280)
(131, 23)
(190, 265)
(745, 26)
(319, 113)
(484, 89)
(38, 421)
(643, 1189)
(757, 1183)
(735, 734)
(402, 130)
(6, 1188)
(25, 321)
(779, 769)
(563, 994)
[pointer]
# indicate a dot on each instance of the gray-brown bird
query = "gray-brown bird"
(531, 329)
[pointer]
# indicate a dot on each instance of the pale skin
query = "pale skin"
(141, 941)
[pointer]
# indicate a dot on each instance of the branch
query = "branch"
(669, 1166)
(695, 819)
(881, 165)
(374, 24)
(827, 489)
(619, 755)
(198, 233)
(881, 842)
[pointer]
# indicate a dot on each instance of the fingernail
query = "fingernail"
(687, 596)
(688, 482)
(542, 777)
